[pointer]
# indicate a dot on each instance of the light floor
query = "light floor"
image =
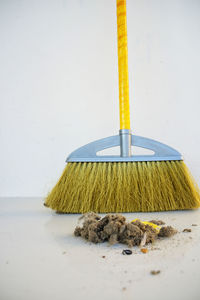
(41, 259)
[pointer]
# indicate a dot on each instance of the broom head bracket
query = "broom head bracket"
(88, 153)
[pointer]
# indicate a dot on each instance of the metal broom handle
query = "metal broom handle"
(125, 134)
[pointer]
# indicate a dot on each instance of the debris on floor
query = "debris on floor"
(153, 272)
(194, 224)
(144, 250)
(155, 248)
(127, 252)
(157, 222)
(167, 231)
(153, 225)
(187, 230)
(115, 229)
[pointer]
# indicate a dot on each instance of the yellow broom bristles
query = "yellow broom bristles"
(124, 187)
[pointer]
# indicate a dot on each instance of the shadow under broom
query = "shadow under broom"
(124, 183)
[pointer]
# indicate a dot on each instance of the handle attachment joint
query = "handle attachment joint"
(125, 142)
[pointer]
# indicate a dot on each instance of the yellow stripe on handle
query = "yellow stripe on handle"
(123, 65)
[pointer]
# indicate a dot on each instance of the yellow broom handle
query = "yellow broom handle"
(123, 65)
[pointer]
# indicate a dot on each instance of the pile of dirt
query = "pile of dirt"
(114, 229)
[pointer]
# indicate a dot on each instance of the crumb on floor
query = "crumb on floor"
(144, 250)
(127, 252)
(187, 230)
(155, 272)
(155, 248)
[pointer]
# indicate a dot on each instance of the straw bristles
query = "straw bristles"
(124, 187)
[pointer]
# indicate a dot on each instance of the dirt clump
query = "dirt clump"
(153, 272)
(157, 222)
(115, 229)
(167, 231)
(187, 230)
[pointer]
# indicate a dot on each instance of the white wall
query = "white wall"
(59, 82)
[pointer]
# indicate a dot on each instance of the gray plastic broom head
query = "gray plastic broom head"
(125, 140)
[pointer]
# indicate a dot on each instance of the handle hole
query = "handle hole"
(109, 151)
(115, 151)
(141, 151)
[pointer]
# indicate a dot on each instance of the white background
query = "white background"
(59, 82)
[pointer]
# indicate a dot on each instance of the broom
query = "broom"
(124, 183)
